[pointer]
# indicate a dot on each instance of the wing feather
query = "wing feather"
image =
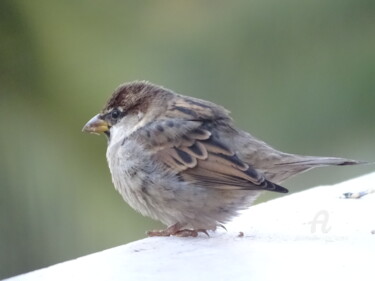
(210, 163)
(185, 142)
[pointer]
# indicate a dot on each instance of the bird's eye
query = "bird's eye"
(115, 114)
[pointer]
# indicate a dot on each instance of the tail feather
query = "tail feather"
(291, 165)
(314, 161)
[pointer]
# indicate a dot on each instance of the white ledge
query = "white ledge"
(311, 235)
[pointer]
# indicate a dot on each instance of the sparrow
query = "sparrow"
(181, 160)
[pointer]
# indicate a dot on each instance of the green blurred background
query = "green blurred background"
(298, 74)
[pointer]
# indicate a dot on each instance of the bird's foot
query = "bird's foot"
(190, 232)
(175, 230)
(223, 227)
(172, 230)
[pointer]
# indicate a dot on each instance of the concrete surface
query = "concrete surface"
(311, 235)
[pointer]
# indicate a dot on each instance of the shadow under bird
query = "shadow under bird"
(180, 160)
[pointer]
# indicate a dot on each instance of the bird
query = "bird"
(181, 160)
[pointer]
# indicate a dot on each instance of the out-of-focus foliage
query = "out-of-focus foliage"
(298, 74)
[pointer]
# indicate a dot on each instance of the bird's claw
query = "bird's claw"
(175, 230)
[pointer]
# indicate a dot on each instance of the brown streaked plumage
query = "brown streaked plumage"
(180, 160)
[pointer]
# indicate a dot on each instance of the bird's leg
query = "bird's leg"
(172, 230)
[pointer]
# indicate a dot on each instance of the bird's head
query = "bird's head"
(126, 109)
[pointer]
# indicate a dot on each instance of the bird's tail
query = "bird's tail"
(292, 165)
(316, 161)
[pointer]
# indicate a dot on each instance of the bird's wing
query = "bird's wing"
(189, 148)
(202, 159)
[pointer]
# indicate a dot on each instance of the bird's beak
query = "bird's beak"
(96, 125)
